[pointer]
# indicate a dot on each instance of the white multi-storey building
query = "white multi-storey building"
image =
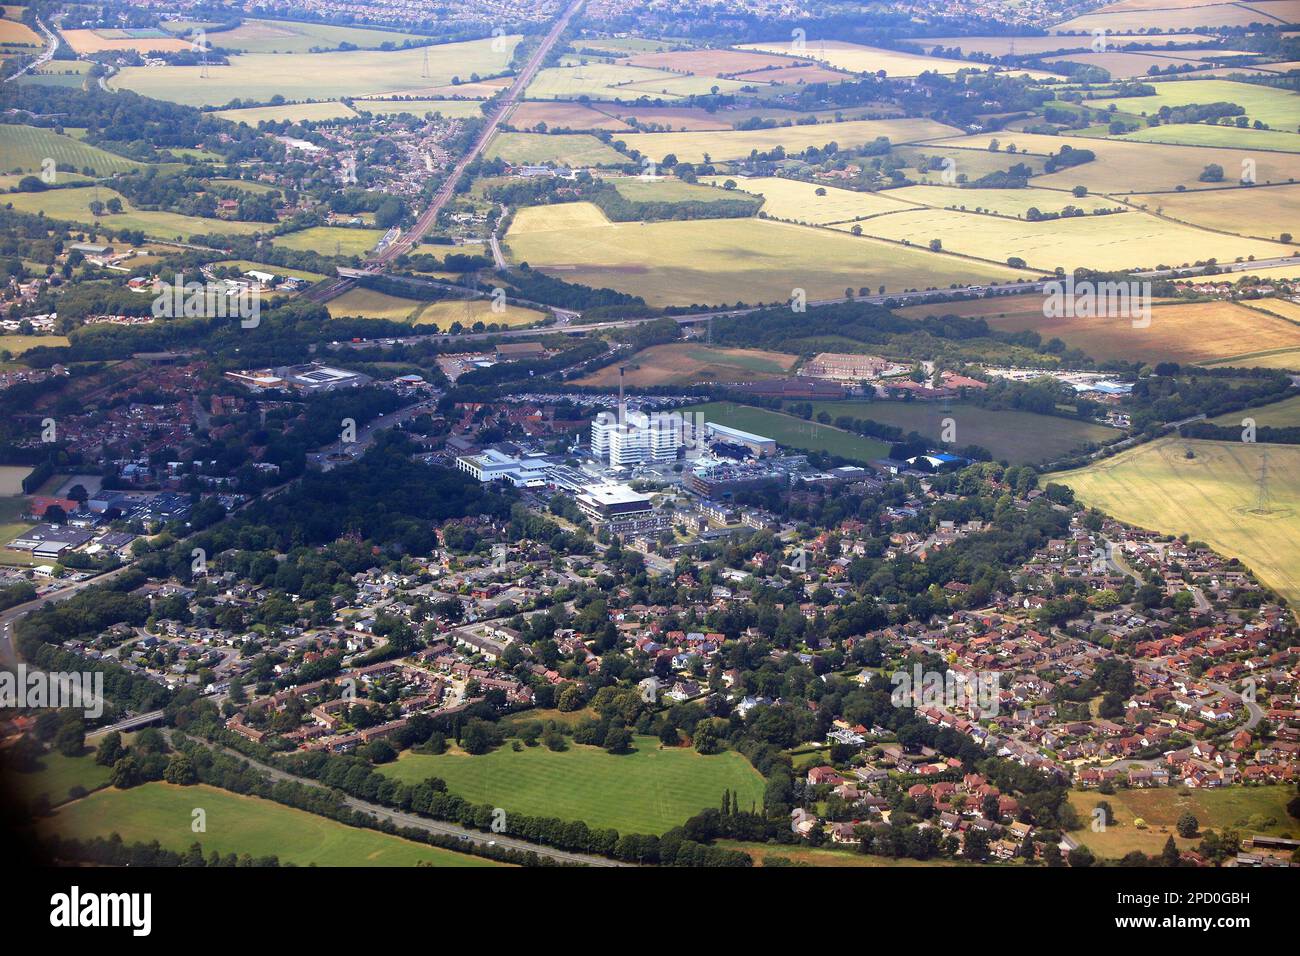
(636, 438)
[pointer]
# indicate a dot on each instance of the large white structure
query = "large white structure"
(492, 465)
(636, 438)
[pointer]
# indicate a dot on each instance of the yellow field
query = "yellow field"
(688, 363)
(1212, 497)
(1191, 332)
(89, 41)
(1122, 166)
(797, 201)
(724, 260)
(14, 32)
(867, 59)
(1120, 241)
(293, 112)
(369, 304)
(1170, 17)
(468, 311)
(316, 75)
(1006, 202)
(74, 204)
(736, 144)
(331, 240)
(1248, 212)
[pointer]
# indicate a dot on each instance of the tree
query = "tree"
(1081, 856)
(1169, 855)
(477, 737)
(618, 740)
(1188, 826)
(71, 738)
(110, 750)
(126, 773)
(180, 771)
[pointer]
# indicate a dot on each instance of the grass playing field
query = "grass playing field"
(74, 204)
(331, 240)
(1193, 332)
(18, 344)
(1120, 241)
(239, 824)
(1247, 810)
(1018, 437)
(293, 112)
(24, 148)
(682, 363)
(1122, 166)
(259, 76)
(1275, 107)
(793, 432)
(577, 149)
(797, 201)
(1212, 496)
(692, 147)
(1264, 212)
(724, 260)
(650, 790)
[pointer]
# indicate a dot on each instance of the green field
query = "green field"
(1213, 497)
(57, 774)
(298, 76)
(1202, 134)
(572, 149)
(74, 204)
(1283, 414)
(636, 189)
(331, 240)
(648, 791)
(1018, 437)
(835, 856)
(1278, 108)
(25, 148)
(244, 265)
(18, 344)
(793, 432)
(1244, 809)
(293, 112)
(725, 260)
(239, 824)
(284, 36)
(595, 80)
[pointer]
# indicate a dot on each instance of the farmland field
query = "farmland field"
(826, 856)
(797, 201)
(74, 204)
(1283, 414)
(1212, 497)
(660, 189)
(55, 775)
(1006, 202)
(331, 240)
(1125, 166)
(1018, 437)
(793, 432)
(710, 62)
(973, 163)
(20, 34)
(447, 312)
(735, 144)
(11, 477)
(865, 59)
(97, 41)
(1121, 241)
(723, 260)
(649, 790)
(370, 304)
(1277, 108)
(1264, 211)
(1173, 17)
(451, 109)
(1192, 332)
(575, 149)
(558, 114)
(600, 81)
(259, 76)
(18, 344)
(688, 363)
(239, 824)
(1202, 134)
(26, 147)
(284, 36)
(293, 112)
(1001, 45)
(1247, 810)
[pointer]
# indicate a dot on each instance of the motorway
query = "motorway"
(429, 218)
(52, 39)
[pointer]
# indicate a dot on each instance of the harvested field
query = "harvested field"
(682, 363)
(561, 115)
(710, 62)
(293, 112)
(797, 201)
(1266, 212)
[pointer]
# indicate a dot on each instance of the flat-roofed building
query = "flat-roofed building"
(760, 446)
(621, 510)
